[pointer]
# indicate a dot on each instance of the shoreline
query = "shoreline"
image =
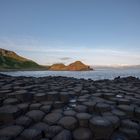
(67, 108)
(10, 70)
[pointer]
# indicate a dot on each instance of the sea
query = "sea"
(97, 74)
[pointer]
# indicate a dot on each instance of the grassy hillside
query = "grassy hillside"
(11, 60)
(11, 63)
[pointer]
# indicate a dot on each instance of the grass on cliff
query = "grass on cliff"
(11, 63)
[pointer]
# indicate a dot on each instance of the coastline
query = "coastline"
(8, 70)
(102, 109)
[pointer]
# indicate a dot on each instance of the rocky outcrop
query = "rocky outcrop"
(58, 67)
(69, 108)
(76, 66)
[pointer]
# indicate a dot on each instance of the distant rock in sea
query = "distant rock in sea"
(58, 67)
(76, 66)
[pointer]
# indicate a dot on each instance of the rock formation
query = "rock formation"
(76, 66)
(58, 67)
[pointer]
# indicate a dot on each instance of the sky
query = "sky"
(97, 32)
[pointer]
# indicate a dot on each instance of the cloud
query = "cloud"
(65, 58)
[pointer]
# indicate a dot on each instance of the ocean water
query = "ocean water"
(97, 74)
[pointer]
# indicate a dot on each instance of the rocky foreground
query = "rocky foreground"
(60, 108)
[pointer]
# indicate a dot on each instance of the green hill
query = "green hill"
(10, 60)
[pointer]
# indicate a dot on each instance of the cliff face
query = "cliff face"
(76, 66)
(10, 60)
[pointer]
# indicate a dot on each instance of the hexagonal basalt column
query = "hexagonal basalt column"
(101, 127)
(69, 123)
(9, 112)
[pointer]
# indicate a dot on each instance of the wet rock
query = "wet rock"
(24, 95)
(68, 122)
(132, 134)
(31, 134)
(102, 107)
(52, 118)
(119, 113)
(41, 126)
(137, 112)
(52, 96)
(123, 101)
(82, 134)
(23, 121)
(11, 131)
(58, 104)
(130, 124)
(64, 97)
(114, 120)
(119, 136)
(69, 113)
(35, 106)
(59, 110)
(11, 101)
(83, 119)
(35, 115)
(46, 108)
(40, 97)
(108, 95)
(90, 105)
(81, 108)
(64, 135)
(80, 101)
(101, 127)
(9, 112)
(5, 138)
(53, 131)
(128, 109)
(24, 107)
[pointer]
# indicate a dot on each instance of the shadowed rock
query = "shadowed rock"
(31, 134)
(69, 123)
(24, 121)
(64, 135)
(11, 131)
(9, 113)
(35, 115)
(52, 118)
(82, 134)
(101, 127)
